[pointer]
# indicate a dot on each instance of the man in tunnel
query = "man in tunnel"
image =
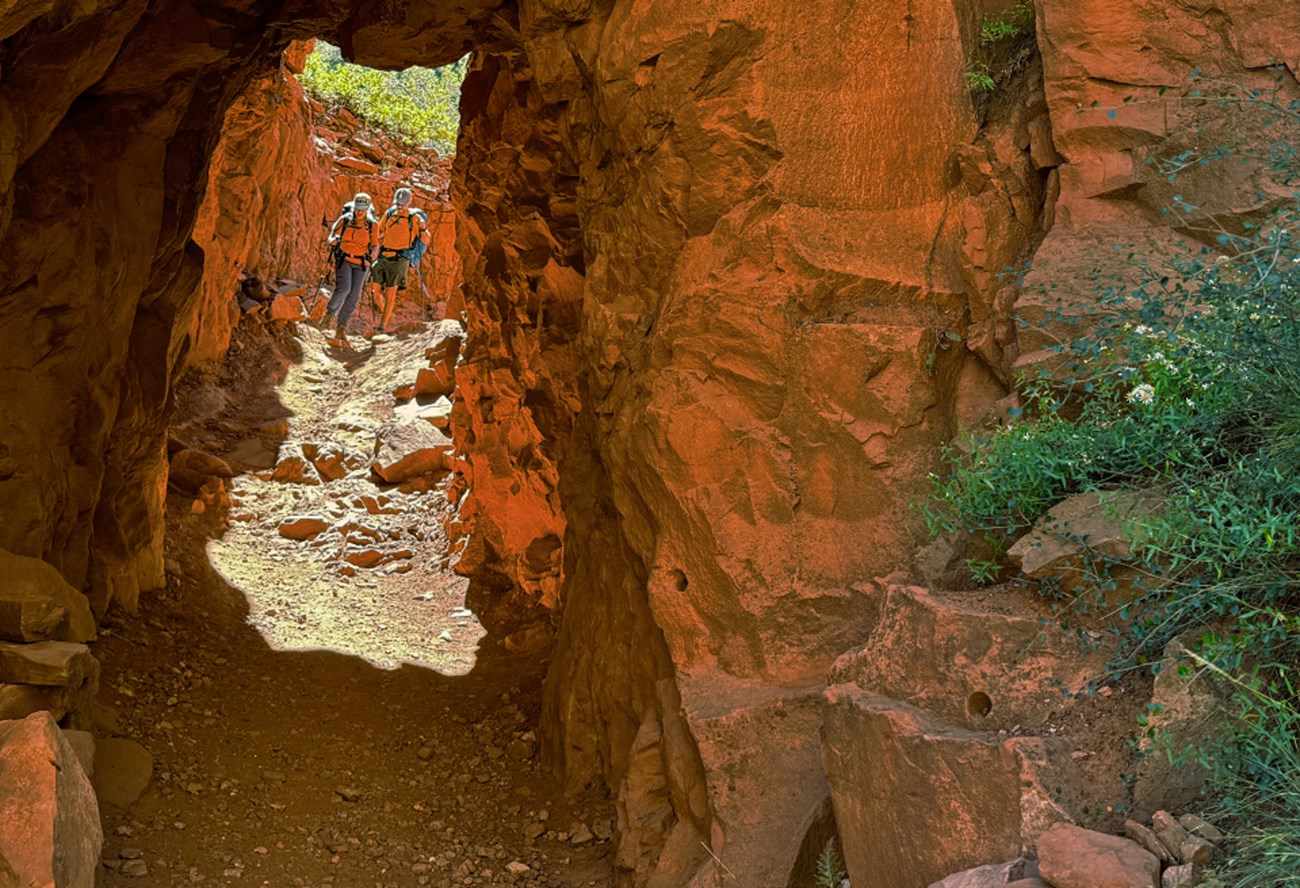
(401, 229)
(354, 237)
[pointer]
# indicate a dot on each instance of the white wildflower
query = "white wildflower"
(1142, 394)
(1142, 330)
(1159, 358)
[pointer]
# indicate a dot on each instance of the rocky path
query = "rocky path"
(319, 719)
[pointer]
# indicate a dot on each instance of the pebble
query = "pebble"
(134, 868)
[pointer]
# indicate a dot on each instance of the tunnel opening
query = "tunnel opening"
(342, 716)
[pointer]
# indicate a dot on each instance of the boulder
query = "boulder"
(917, 799)
(437, 413)
(1200, 828)
(38, 604)
(332, 462)
(440, 379)
(775, 788)
(294, 467)
(405, 450)
(287, 308)
(1072, 857)
(123, 768)
(49, 819)
(1100, 523)
(201, 463)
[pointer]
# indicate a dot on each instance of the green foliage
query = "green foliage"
(1011, 22)
(995, 30)
(830, 872)
(420, 105)
(978, 76)
(1183, 378)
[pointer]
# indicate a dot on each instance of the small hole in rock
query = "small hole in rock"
(979, 704)
(679, 579)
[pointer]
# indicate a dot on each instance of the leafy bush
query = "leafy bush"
(420, 105)
(1184, 378)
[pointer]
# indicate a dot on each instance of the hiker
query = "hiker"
(403, 232)
(354, 237)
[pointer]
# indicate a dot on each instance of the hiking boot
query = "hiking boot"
(325, 322)
(341, 336)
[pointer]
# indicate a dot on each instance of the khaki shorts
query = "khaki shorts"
(389, 271)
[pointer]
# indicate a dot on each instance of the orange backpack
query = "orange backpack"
(397, 239)
(354, 240)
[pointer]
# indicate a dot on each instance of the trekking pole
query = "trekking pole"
(424, 295)
(325, 271)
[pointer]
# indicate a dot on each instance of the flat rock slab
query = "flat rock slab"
(1072, 857)
(37, 604)
(47, 663)
(303, 527)
(1096, 522)
(123, 768)
(49, 819)
(405, 450)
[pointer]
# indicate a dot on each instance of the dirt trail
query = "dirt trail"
(314, 722)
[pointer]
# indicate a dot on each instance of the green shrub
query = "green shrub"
(420, 105)
(978, 76)
(1011, 22)
(1184, 378)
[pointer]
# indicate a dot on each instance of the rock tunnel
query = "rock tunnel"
(733, 275)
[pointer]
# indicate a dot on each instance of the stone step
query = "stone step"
(917, 799)
(976, 668)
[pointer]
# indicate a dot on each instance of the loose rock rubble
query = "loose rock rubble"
(1170, 853)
